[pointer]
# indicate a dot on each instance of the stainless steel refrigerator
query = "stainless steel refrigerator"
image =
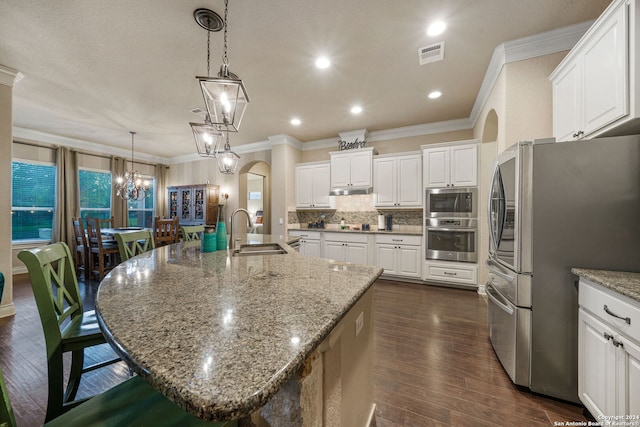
(554, 206)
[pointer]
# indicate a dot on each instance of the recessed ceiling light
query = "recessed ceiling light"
(435, 94)
(295, 121)
(436, 28)
(356, 109)
(323, 62)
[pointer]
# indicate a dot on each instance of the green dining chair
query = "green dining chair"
(191, 232)
(67, 328)
(133, 243)
(131, 403)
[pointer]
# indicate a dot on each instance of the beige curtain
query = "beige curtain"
(67, 200)
(161, 190)
(118, 206)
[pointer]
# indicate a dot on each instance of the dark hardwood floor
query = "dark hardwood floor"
(434, 365)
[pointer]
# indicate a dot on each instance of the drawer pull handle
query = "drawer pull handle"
(611, 313)
(450, 274)
(617, 343)
(608, 336)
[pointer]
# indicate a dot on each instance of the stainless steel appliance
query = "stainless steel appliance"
(451, 202)
(452, 239)
(554, 206)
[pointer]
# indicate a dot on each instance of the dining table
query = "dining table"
(221, 333)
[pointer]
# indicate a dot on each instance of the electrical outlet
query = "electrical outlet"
(359, 323)
(281, 221)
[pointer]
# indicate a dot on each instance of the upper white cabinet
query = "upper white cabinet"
(450, 165)
(594, 87)
(351, 168)
(312, 186)
(397, 181)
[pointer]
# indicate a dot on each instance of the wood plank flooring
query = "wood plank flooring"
(434, 365)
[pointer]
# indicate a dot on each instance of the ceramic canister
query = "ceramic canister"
(209, 238)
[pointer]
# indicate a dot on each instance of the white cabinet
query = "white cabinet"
(591, 90)
(351, 168)
(460, 273)
(608, 351)
(450, 165)
(399, 255)
(397, 181)
(350, 247)
(313, 186)
(310, 242)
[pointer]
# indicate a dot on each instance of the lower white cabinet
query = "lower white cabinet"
(309, 242)
(399, 254)
(608, 352)
(349, 247)
(461, 273)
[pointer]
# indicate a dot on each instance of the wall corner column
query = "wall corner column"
(286, 151)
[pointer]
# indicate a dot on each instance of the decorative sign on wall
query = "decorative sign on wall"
(352, 140)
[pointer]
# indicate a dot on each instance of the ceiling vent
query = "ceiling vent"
(199, 111)
(431, 53)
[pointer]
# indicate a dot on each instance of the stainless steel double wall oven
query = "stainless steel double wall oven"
(451, 224)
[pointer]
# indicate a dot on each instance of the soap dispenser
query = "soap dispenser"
(342, 224)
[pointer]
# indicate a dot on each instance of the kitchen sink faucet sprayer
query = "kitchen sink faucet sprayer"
(233, 215)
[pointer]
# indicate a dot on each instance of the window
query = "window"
(33, 197)
(95, 193)
(141, 211)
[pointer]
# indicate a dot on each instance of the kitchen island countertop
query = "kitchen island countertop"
(220, 334)
(623, 282)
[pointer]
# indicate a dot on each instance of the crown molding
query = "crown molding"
(284, 139)
(9, 76)
(546, 43)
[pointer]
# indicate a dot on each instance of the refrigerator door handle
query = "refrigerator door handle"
(498, 299)
(490, 212)
(497, 270)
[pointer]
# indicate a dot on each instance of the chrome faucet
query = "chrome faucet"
(233, 215)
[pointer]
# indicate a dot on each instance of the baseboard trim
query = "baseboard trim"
(7, 310)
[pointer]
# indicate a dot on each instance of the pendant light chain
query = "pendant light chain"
(133, 166)
(208, 45)
(225, 59)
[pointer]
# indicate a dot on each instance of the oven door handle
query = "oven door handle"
(452, 229)
(498, 299)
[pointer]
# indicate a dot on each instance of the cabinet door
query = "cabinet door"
(628, 378)
(357, 253)
(605, 65)
(303, 186)
(409, 181)
(361, 168)
(436, 165)
(199, 204)
(567, 103)
(464, 165)
(174, 202)
(311, 248)
(186, 204)
(596, 366)
(334, 250)
(409, 261)
(321, 186)
(386, 258)
(213, 197)
(384, 186)
(340, 170)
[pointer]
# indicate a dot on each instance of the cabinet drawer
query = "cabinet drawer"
(307, 235)
(399, 239)
(346, 237)
(455, 272)
(593, 298)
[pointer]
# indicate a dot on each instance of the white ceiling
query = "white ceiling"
(95, 69)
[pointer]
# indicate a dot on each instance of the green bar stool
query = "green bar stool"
(191, 232)
(133, 243)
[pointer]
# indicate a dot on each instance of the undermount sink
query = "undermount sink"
(259, 249)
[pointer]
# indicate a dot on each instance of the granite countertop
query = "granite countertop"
(219, 335)
(372, 231)
(625, 283)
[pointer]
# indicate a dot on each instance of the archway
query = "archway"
(254, 178)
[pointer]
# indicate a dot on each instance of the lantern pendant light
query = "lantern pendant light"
(225, 96)
(227, 159)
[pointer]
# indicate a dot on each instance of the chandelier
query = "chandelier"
(227, 159)
(132, 186)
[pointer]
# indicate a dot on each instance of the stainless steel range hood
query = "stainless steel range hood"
(350, 191)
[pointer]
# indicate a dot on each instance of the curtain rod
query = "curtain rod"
(86, 153)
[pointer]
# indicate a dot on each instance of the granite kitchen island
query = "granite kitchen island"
(270, 339)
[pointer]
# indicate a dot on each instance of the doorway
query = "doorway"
(255, 201)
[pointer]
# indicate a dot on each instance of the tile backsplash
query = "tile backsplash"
(355, 210)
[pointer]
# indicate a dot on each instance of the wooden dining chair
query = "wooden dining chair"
(165, 231)
(67, 328)
(133, 243)
(81, 252)
(106, 222)
(130, 403)
(103, 255)
(191, 232)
